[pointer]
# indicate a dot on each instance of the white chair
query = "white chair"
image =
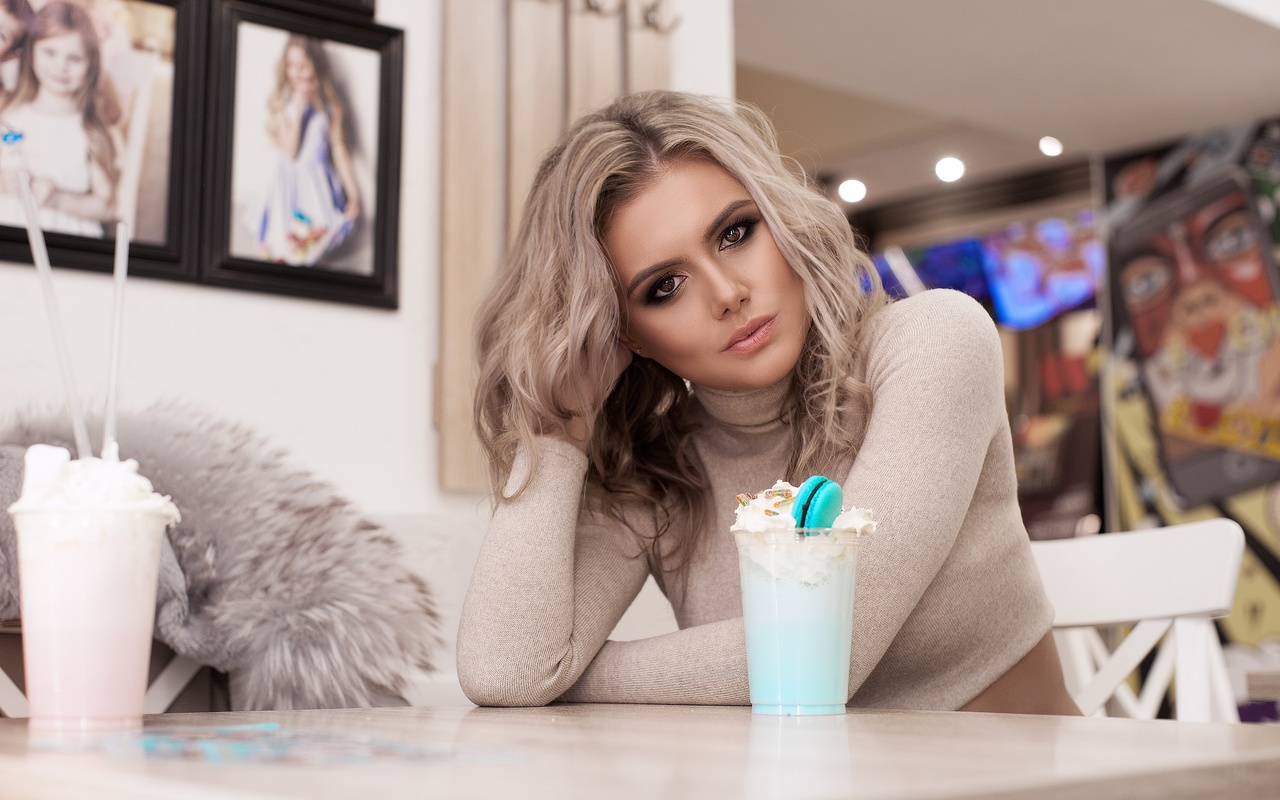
(1170, 583)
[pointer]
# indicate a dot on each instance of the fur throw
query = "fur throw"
(269, 576)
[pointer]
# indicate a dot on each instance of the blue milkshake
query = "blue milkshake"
(797, 607)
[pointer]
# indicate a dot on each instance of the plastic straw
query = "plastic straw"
(40, 255)
(110, 448)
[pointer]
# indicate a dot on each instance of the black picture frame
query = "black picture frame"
(176, 256)
(363, 8)
(224, 261)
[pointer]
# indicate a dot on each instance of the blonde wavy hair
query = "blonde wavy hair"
(552, 319)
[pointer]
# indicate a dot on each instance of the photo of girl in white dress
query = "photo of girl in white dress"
(313, 203)
(62, 114)
(302, 166)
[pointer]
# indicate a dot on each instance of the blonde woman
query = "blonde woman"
(681, 318)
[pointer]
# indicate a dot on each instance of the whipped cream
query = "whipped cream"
(53, 482)
(769, 510)
(761, 522)
(855, 519)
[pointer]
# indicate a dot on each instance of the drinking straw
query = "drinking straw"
(40, 255)
(110, 448)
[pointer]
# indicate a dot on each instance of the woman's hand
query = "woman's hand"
(577, 431)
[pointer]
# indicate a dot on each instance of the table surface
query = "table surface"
(658, 751)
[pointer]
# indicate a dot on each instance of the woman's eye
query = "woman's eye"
(736, 233)
(665, 287)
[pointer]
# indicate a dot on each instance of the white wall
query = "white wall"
(702, 55)
(346, 391)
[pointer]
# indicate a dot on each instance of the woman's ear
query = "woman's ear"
(631, 345)
(629, 342)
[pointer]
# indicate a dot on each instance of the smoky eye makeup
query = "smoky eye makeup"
(663, 288)
(738, 231)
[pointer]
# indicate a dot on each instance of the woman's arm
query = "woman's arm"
(341, 155)
(937, 371)
(703, 665)
(545, 593)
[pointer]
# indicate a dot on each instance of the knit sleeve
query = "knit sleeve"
(549, 585)
(936, 371)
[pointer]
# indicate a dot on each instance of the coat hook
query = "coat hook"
(604, 9)
(653, 18)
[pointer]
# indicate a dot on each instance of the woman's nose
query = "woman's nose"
(728, 291)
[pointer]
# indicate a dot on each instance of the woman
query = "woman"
(682, 319)
(312, 202)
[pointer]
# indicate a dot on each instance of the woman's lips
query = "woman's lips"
(752, 336)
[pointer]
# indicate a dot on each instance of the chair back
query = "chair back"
(1169, 583)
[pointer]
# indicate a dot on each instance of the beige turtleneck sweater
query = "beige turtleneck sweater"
(948, 597)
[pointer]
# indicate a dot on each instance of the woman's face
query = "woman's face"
(703, 288)
(61, 63)
(300, 72)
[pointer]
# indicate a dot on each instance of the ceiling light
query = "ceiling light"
(1050, 146)
(852, 191)
(949, 169)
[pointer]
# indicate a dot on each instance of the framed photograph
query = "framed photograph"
(303, 157)
(99, 104)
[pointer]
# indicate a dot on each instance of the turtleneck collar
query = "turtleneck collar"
(749, 407)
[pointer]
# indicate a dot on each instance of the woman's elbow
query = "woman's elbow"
(490, 687)
(492, 678)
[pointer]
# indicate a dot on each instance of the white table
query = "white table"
(666, 751)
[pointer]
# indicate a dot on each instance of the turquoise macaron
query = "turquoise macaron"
(818, 502)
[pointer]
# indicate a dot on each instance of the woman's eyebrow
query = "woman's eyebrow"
(644, 274)
(720, 220)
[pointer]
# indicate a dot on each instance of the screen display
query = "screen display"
(954, 265)
(1040, 267)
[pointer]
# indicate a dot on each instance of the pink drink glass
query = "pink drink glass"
(88, 589)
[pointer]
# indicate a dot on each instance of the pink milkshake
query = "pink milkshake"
(89, 534)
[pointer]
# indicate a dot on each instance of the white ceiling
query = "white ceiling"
(882, 88)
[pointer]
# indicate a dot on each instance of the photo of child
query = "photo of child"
(66, 145)
(313, 202)
(90, 95)
(302, 170)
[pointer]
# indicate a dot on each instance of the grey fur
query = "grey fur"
(270, 575)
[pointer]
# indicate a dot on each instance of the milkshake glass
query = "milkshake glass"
(87, 562)
(797, 609)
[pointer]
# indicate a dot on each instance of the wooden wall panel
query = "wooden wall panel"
(648, 48)
(536, 94)
(472, 221)
(596, 32)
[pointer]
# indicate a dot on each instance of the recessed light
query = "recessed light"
(949, 169)
(1050, 146)
(851, 191)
